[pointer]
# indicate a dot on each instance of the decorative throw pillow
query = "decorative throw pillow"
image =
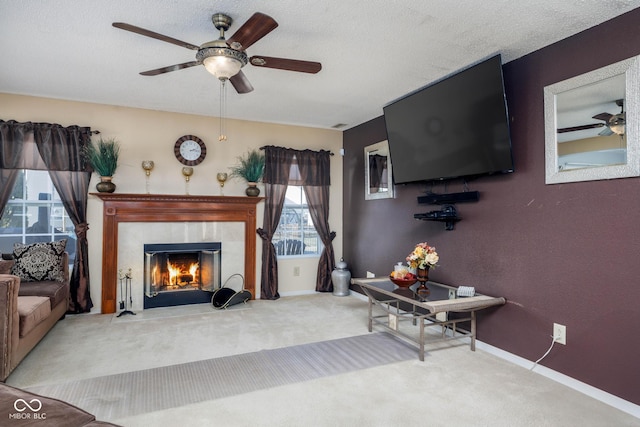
(39, 261)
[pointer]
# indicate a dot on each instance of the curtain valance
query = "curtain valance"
(287, 166)
(43, 146)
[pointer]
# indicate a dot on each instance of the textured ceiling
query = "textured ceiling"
(372, 51)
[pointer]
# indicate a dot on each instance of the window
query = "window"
(296, 234)
(34, 213)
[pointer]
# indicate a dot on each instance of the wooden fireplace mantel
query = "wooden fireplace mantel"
(119, 208)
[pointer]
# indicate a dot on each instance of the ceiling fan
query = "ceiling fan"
(613, 123)
(225, 58)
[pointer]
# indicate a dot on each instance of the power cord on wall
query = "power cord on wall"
(547, 353)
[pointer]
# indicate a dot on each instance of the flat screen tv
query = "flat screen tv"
(456, 127)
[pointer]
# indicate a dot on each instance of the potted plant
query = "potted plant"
(103, 158)
(250, 167)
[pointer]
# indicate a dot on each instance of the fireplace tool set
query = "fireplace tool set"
(125, 293)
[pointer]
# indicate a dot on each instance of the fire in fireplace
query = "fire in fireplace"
(180, 273)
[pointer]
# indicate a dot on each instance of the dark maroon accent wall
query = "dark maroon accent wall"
(564, 253)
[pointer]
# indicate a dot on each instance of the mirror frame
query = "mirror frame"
(631, 69)
(368, 195)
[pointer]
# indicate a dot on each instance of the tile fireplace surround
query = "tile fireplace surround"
(143, 208)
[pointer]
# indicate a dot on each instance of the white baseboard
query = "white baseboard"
(584, 388)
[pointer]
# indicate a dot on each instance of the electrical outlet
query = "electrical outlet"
(560, 333)
(296, 271)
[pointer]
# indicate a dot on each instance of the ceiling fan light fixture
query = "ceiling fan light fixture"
(616, 124)
(222, 62)
(258, 61)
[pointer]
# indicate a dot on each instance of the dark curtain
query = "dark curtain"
(314, 170)
(58, 150)
(377, 172)
(311, 170)
(277, 168)
(10, 158)
(7, 181)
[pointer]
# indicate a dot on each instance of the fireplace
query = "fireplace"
(121, 208)
(180, 273)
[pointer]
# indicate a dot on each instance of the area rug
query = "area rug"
(116, 396)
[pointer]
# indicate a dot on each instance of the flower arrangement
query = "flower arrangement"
(423, 256)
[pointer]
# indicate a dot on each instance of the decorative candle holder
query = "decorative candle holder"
(147, 165)
(187, 171)
(222, 178)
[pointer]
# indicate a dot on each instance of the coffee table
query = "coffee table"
(404, 304)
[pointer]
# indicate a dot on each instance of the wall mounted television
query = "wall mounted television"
(456, 127)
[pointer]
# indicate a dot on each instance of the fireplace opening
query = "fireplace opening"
(180, 273)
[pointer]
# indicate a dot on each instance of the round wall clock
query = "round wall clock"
(190, 150)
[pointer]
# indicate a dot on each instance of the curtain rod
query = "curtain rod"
(263, 147)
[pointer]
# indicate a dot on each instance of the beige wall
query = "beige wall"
(591, 144)
(150, 135)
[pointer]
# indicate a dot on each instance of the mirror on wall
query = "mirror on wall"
(591, 125)
(378, 182)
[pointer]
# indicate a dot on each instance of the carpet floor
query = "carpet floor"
(452, 387)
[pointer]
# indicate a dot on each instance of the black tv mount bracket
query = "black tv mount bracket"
(448, 214)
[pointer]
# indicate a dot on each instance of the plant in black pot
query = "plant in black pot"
(103, 158)
(250, 167)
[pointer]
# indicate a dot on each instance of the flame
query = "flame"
(173, 274)
(176, 271)
(193, 269)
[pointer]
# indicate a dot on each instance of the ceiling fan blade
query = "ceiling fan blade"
(606, 132)
(170, 68)
(286, 64)
(154, 35)
(258, 26)
(583, 127)
(241, 83)
(603, 116)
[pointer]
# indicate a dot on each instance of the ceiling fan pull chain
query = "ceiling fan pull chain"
(223, 113)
